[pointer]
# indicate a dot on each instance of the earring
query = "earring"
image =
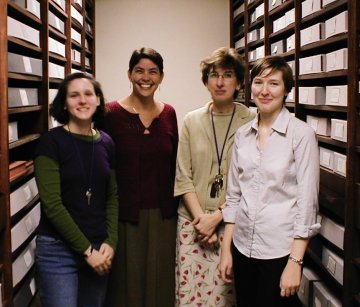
(159, 87)
(130, 85)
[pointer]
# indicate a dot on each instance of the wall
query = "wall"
(183, 31)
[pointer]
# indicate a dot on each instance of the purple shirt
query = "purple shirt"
(145, 166)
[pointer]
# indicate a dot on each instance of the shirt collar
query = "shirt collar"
(280, 124)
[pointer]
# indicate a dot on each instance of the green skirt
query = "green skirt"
(143, 271)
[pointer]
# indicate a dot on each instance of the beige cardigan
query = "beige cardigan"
(195, 155)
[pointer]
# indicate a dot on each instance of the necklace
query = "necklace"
(87, 179)
(219, 178)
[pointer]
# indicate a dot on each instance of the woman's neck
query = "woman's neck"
(222, 107)
(79, 128)
(139, 104)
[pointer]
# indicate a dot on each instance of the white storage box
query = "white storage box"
(291, 96)
(333, 263)
(56, 47)
(22, 196)
(327, 158)
(60, 3)
(260, 52)
(23, 31)
(259, 11)
(312, 95)
(56, 71)
(278, 47)
(305, 292)
(76, 36)
(336, 60)
(33, 6)
(76, 15)
(336, 95)
(279, 24)
(239, 10)
(312, 34)
(252, 55)
(262, 33)
(13, 132)
(23, 263)
(332, 231)
(52, 94)
(290, 43)
(25, 227)
(289, 17)
(240, 43)
(26, 292)
(292, 66)
(339, 129)
(253, 35)
(309, 7)
(274, 3)
(18, 97)
(321, 125)
(56, 22)
(311, 65)
(340, 164)
(336, 25)
(323, 297)
(25, 65)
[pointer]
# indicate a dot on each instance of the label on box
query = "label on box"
(305, 96)
(32, 286)
(331, 60)
(29, 224)
(326, 158)
(10, 133)
(331, 26)
(331, 265)
(28, 258)
(335, 95)
(57, 22)
(339, 130)
(341, 165)
(24, 97)
(308, 65)
(314, 124)
(27, 64)
(275, 49)
(27, 193)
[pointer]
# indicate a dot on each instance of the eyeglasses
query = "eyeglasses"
(227, 76)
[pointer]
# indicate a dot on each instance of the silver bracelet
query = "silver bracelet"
(298, 261)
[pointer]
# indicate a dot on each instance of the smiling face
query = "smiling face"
(222, 84)
(81, 100)
(145, 78)
(268, 90)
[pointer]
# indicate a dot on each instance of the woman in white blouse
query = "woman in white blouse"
(272, 195)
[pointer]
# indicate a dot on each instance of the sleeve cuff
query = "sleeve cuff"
(303, 231)
(229, 214)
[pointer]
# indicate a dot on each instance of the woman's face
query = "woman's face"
(81, 100)
(268, 90)
(145, 78)
(222, 84)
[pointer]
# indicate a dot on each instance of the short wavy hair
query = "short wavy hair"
(223, 57)
(57, 108)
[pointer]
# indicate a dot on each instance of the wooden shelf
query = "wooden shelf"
(24, 109)
(324, 75)
(23, 140)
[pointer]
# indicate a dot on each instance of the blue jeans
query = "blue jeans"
(64, 278)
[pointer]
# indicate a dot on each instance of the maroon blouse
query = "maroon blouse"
(145, 163)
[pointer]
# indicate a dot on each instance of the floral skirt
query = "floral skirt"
(198, 281)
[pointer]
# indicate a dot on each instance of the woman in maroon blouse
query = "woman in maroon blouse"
(146, 137)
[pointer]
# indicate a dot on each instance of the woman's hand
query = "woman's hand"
(290, 279)
(225, 266)
(205, 224)
(99, 262)
(107, 251)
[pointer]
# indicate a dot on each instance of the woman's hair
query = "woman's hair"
(274, 63)
(146, 53)
(58, 107)
(225, 58)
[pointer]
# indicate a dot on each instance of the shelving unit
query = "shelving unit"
(283, 27)
(37, 49)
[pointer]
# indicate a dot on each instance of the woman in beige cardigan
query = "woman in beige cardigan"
(202, 163)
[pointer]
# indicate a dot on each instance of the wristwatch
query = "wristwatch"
(88, 251)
